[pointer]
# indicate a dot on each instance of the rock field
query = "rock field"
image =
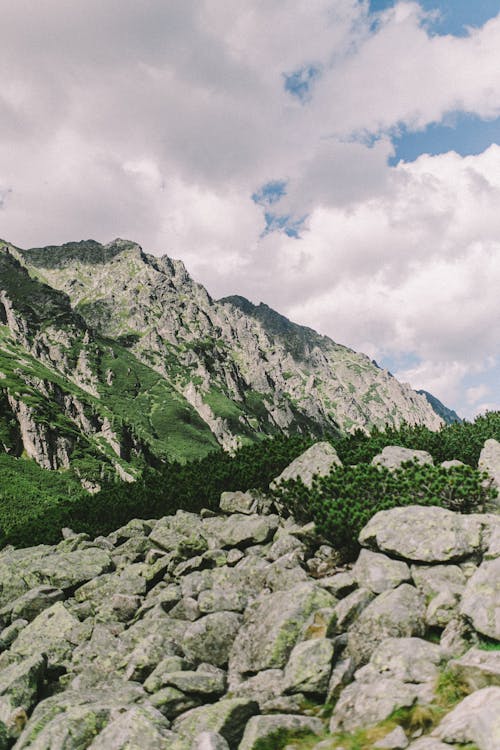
(225, 631)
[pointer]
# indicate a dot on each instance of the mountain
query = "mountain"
(447, 415)
(112, 359)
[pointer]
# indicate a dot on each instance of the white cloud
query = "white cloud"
(158, 121)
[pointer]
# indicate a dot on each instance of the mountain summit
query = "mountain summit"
(111, 356)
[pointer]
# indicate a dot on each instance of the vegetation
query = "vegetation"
(345, 500)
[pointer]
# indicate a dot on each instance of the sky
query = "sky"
(338, 160)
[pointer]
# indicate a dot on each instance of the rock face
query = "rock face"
(209, 632)
(228, 371)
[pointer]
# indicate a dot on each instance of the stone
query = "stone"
(219, 599)
(340, 584)
(451, 464)
(49, 633)
(172, 702)
(283, 544)
(200, 683)
(476, 719)
(434, 579)
(227, 717)
(424, 534)
(442, 609)
(362, 704)
(407, 659)
(74, 718)
(262, 730)
(30, 604)
(210, 741)
(397, 613)
(309, 667)
(393, 456)
(238, 502)
(477, 668)
(395, 740)
(25, 569)
(481, 599)
(240, 530)
(20, 685)
(272, 625)
(161, 673)
(457, 637)
(489, 460)
(351, 607)
(139, 728)
(342, 675)
(10, 633)
(428, 743)
(318, 460)
(378, 573)
(261, 687)
(186, 609)
(211, 637)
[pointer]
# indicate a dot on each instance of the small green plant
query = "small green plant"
(450, 690)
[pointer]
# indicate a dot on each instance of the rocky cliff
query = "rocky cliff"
(238, 630)
(120, 357)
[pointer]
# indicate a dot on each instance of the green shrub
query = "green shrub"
(345, 500)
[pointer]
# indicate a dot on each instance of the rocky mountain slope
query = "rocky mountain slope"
(112, 359)
(237, 630)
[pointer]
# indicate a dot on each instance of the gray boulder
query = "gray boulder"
(477, 668)
(265, 730)
(138, 728)
(407, 659)
(393, 456)
(227, 717)
(397, 613)
(476, 719)
(432, 580)
(350, 607)
(362, 704)
(424, 534)
(395, 740)
(378, 572)
(238, 502)
(210, 741)
(489, 460)
(239, 530)
(309, 667)
(272, 626)
(52, 632)
(210, 638)
(318, 460)
(481, 599)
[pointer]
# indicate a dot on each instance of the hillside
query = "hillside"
(113, 360)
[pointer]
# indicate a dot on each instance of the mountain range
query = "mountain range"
(112, 359)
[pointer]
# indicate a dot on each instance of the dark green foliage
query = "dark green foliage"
(345, 500)
(35, 504)
(462, 440)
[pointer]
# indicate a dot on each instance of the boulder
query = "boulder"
(267, 730)
(318, 460)
(362, 704)
(432, 580)
(489, 460)
(406, 659)
(309, 667)
(395, 740)
(210, 741)
(210, 638)
(20, 684)
(239, 530)
(227, 717)
(378, 573)
(52, 633)
(272, 626)
(477, 668)
(476, 719)
(238, 502)
(139, 728)
(30, 604)
(397, 613)
(481, 599)
(424, 534)
(350, 607)
(393, 456)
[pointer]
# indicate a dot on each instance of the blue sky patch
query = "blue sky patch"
(284, 223)
(270, 193)
(466, 134)
(455, 15)
(299, 83)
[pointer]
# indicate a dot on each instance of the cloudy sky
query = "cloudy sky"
(336, 159)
